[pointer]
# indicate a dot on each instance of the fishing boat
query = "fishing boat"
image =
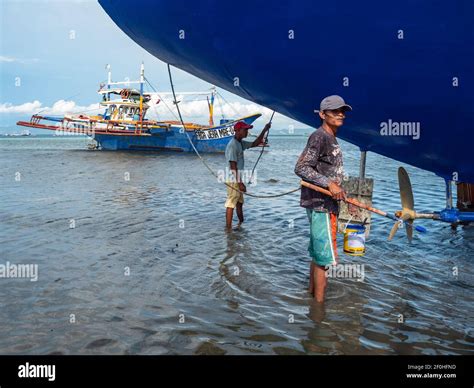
(123, 124)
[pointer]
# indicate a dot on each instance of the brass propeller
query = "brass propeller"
(407, 214)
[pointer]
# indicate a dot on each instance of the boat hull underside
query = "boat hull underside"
(406, 64)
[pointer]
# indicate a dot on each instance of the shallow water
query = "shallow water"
(192, 288)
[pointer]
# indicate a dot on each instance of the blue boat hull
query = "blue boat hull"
(207, 139)
(404, 63)
(176, 141)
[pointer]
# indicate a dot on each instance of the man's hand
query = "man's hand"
(242, 187)
(260, 137)
(337, 192)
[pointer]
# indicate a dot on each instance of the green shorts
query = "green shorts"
(322, 241)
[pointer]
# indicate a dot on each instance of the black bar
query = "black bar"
(378, 371)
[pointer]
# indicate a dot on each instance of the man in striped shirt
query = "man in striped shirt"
(321, 164)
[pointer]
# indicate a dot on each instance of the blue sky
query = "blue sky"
(53, 54)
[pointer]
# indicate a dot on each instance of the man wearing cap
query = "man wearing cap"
(321, 164)
(234, 154)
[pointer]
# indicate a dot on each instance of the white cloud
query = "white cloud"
(196, 111)
(26, 108)
(59, 108)
(62, 107)
(7, 59)
(199, 109)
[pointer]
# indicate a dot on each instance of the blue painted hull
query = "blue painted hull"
(213, 139)
(350, 48)
(173, 141)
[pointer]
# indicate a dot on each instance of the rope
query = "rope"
(231, 107)
(220, 105)
(204, 161)
(261, 151)
(161, 99)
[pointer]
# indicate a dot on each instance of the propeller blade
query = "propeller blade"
(406, 192)
(394, 230)
(409, 229)
(407, 220)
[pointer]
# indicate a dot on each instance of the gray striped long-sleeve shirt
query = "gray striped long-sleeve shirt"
(319, 163)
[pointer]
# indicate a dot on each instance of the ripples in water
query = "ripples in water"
(149, 269)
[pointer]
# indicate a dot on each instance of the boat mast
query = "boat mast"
(142, 80)
(109, 80)
(210, 104)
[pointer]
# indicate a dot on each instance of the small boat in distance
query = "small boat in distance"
(123, 125)
(21, 134)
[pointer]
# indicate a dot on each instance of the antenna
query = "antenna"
(142, 73)
(109, 75)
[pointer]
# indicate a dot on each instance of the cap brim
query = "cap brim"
(347, 107)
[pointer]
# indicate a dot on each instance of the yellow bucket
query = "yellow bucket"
(354, 240)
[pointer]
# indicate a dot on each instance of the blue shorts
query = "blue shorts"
(322, 241)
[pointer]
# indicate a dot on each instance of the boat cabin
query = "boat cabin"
(125, 108)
